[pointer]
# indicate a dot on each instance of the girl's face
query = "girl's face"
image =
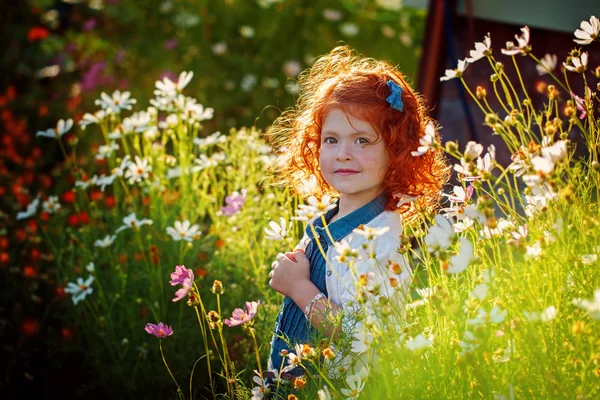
(352, 158)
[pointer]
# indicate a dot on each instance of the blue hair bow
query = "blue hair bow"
(395, 99)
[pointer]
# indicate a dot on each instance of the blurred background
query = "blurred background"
(58, 56)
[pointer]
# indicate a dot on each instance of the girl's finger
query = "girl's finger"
(291, 256)
(274, 264)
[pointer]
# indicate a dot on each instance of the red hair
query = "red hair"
(358, 86)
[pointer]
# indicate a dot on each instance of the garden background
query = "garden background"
(59, 56)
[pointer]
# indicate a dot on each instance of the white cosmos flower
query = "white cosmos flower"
(591, 306)
(332, 15)
(324, 394)
(522, 46)
(80, 289)
(439, 235)
(62, 127)
(556, 152)
(548, 314)
(184, 231)
(588, 32)
(106, 242)
(480, 291)
(349, 29)
(362, 340)
(191, 110)
(543, 165)
(418, 342)
(355, 385)
(482, 49)
(494, 316)
(106, 150)
(138, 122)
(103, 180)
(278, 231)
(138, 170)
(89, 119)
(90, 267)
(247, 31)
(219, 48)
(115, 103)
(31, 209)
(534, 251)
(578, 64)
(51, 205)
(131, 221)
(473, 150)
(426, 142)
(588, 259)
(213, 139)
(460, 261)
(547, 64)
(370, 233)
(344, 251)
(457, 72)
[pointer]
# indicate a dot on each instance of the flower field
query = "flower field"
(161, 237)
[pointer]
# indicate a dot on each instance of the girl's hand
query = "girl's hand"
(290, 272)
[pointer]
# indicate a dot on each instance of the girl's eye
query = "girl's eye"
(363, 141)
(329, 140)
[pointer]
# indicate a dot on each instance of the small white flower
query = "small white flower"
(591, 306)
(548, 314)
(547, 64)
(247, 31)
(542, 165)
(115, 103)
(588, 32)
(419, 342)
(426, 142)
(393, 5)
(184, 231)
(90, 267)
(211, 140)
(248, 82)
(62, 127)
(439, 235)
(480, 291)
(578, 64)
(89, 119)
(473, 150)
(81, 289)
(219, 48)
(355, 385)
(556, 152)
(292, 68)
(103, 180)
(51, 205)
(457, 72)
(482, 49)
(427, 292)
(31, 209)
(534, 251)
(344, 251)
(494, 316)
(106, 242)
(324, 394)
(460, 262)
(588, 259)
(362, 340)
(349, 29)
(137, 122)
(278, 231)
(522, 46)
(131, 221)
(370, 233)
(106, 150)
(332, 15)
(138, 170)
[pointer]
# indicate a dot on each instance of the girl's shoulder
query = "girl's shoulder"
(390, 219)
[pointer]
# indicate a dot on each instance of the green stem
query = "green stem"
(179, 392)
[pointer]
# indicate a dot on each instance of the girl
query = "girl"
(354, 128)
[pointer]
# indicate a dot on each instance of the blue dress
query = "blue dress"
(291, 323)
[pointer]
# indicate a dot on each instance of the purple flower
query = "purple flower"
(182, 276)
(580, 103)
(161, 330)
(235, 202)
(89, 24)
(240, 317)
(171, 44)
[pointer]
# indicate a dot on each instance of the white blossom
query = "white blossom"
(457, 72)
(115, 103)
(482, 49)
(522, 46)
(106, 242)
(62, 127)
(277, 231)
(184, 231)
(81, 289)
(588, 31)
(547, 64)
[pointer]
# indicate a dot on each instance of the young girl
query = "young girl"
(354, 128)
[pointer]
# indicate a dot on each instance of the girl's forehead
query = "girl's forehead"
(338, 119)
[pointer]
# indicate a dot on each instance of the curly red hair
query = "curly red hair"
(358, 85)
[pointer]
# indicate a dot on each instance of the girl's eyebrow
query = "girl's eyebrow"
(355, 133)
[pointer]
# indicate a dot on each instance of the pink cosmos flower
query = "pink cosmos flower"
(240, 317)
(184, 277)
(180, 274)
(235, 202)
(161, 330)
(580, 103)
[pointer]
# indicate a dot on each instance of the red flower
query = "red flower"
(68, 197)
(201, 272)
(96, 195)
(44, 216)
(84, 218)
(35, 254)
(3, 242)
(73, 220)
(32, 225)
(45, 180)
(30, 326)
(109, 201)
(59, 292)
(21, 234)
(37, 33)
(30, 272)
(4, 258)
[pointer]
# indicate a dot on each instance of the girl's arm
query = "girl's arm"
(291, 277)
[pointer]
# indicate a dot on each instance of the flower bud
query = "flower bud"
(494, 78)
(499, 66)
(491, 119)
(597, 72)
(217, 287)
(569, 110)
(549, 129)
(552, 92)
(451, 147)
(480, 92)
(595, 165)
(328, 354)
(193, 299)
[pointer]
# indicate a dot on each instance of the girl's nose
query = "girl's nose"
(343, 153)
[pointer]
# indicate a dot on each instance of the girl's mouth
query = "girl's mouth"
(345, 172)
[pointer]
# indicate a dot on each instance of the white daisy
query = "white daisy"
(184, 231)
(426, 142)
(31, 209)
(89, 119)
(51, 205)
(578, 64)
(278, 231)
(591, 306)
(482, 49)
(439, 235)
(62, 127)
(418, 342)
(81, 289)
(106, 150)
(115, 103)
(106, 242)
(213, 139)
(522, 46)
(460, 261)
(588, 32)
(355, 385)
(138, 170)
(547, 64)
(457, 72)
(131, 221)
